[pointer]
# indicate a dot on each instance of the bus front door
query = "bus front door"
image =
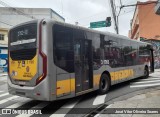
(83, 64)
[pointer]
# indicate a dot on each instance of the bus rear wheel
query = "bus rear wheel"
(146, 72)
(104, 84)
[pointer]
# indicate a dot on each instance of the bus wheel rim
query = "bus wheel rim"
(145, 72)
(104, 84)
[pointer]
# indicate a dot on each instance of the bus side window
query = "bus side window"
(63, 48)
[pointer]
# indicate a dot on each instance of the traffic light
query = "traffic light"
(108, 21)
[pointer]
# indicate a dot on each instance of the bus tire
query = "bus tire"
(104, 84)
(146, 72)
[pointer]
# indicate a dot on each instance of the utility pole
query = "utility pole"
(114, 15)
(119, 14)
(130, 5)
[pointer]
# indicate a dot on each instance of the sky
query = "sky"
(83, 11)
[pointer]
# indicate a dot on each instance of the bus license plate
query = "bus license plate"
(21, 83)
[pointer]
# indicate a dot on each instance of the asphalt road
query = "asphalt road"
(86, 105)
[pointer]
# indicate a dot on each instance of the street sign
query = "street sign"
(98, 24)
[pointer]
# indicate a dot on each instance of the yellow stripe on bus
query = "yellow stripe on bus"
(122, 74)
(118, 75)
(96, 79)
(67, 86)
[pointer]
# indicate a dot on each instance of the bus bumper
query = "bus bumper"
(39, 92)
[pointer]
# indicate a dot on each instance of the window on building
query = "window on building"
(1, 36)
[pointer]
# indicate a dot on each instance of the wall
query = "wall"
(145, 22)
(10, 17)
(156, 47)
(5, 32)
(149, 22)
(3, 58)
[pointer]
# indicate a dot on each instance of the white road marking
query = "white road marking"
(39, 107)
(3, 79)
(7, 99)
(1, 91)
(146, 82)
(16, 105)
(4, 94)
(100, 99)
(65, 109)
(3, 75)
(109, 106)
(154, 75)
(145, 85)
(151, 79)
(98, 115)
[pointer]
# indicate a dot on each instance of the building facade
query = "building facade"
(3, 36)
(13, 16)
(145, 26)
(3, 49)
(145, 22)
(10, 17)
(3, 58)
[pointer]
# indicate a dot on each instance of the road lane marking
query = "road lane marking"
(37, 107)
(65, 109)
(3, 79)
(100, 99)
(16, 105)
(4, 94)
(8, 99)
(4, 75)
(1, 91)
(145, 85)
(98, 115)
(146, 82)
(109, 106)
(151, 79)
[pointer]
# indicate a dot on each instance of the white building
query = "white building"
(3, 58)
(3, 36)
(13, 16)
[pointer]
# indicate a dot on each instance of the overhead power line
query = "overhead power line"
(6, 23)
(123, 6)
(145, 3)
(126, 12)
(16, 10)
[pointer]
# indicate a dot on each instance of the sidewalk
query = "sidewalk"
(148, 103)
(3, 74)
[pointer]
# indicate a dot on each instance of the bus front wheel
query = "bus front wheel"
(104, 84)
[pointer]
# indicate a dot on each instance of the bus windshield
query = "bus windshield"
(23, 37)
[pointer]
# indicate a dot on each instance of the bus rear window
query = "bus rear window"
(26, 34)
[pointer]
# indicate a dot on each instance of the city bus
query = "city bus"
(51, 60)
